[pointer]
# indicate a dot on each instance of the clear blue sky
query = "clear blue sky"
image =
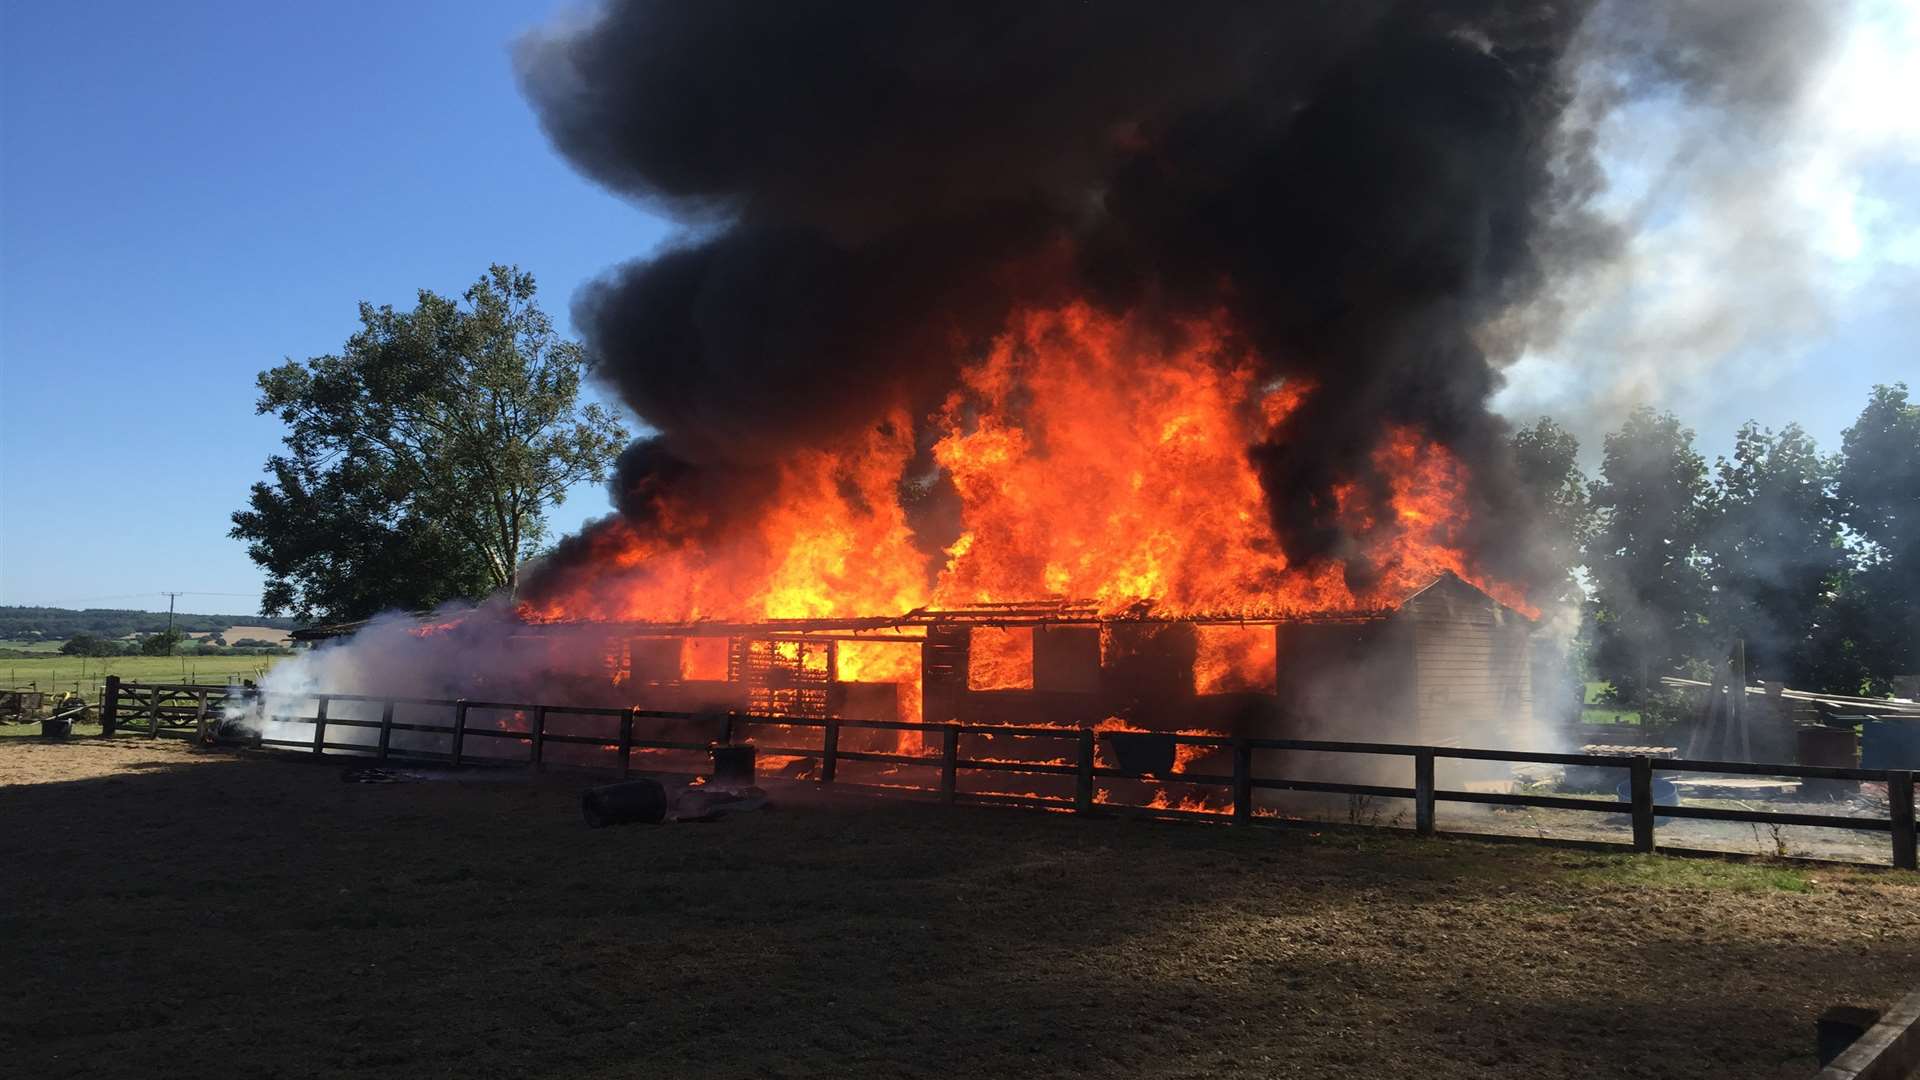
(191, 192)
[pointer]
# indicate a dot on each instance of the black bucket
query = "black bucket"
(56, 727)
(733, 764)
(1841, 1027)
(1141, 752)
(644, 801)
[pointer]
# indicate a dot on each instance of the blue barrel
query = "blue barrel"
(1890, 744)
(1664, 793)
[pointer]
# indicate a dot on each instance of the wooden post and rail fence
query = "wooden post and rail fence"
(178, 708)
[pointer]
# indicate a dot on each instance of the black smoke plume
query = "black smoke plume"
(1373, 190)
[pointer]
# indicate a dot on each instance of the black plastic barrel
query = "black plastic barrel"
(644, 801)
(733, 764)
(1141, 752)
(1841, 1027)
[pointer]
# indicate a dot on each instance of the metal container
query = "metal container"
(1828, 747)
(643, 801)
(56, 727)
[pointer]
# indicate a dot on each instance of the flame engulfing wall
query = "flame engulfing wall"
(984, 300)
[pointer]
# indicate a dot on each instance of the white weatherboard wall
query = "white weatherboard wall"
(1472, 675)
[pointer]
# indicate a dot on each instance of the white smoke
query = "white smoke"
(460, 651)
(1756, 199)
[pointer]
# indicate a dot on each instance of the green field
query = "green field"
(84, 674)
(38, 645)
(1595, 713)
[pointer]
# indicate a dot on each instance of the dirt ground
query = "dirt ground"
(166, 911)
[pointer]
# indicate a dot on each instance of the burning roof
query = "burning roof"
(1046, 611)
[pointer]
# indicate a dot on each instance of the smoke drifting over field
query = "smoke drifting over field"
(1378, 200)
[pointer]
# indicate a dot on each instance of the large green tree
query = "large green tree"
(1546, 462)
(421, 460)
(1547, 469)
(1878, 486)
(1650, 583)
(1776, 555)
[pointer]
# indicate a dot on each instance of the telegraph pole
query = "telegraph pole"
(170, 598)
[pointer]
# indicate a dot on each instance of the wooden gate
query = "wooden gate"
(177, 708)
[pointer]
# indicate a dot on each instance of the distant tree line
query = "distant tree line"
(60, 624)
(1811, 559)
(170, 643)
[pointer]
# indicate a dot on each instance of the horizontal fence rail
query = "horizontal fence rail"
(203, 708)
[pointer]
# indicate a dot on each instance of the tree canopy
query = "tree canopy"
(1775, 552)
(1650, 584)
(1877, 485)
(1812, 560)
(1547, 462)
(90, 645)
(421, 460)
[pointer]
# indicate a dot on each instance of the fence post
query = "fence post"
(459, 730)
(153, 713)
(1641, 772)
(830, 751)
(1900, 808)
(626, 742)
(320, 727)
(1242, 782)
(949, 754)
(386, 729)
(200, 720)
(1083, 793)
(539, 738)
(110, 705)
(1423, 792)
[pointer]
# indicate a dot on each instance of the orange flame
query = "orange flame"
(1092, 459)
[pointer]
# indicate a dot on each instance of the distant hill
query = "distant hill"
(59, 624)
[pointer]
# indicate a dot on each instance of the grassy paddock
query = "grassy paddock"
(1592, 711)
(192, 912)
(36, 645)
(55, 673)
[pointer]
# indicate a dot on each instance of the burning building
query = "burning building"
(1196, 331)
(1447, 665)
(1186, 321)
